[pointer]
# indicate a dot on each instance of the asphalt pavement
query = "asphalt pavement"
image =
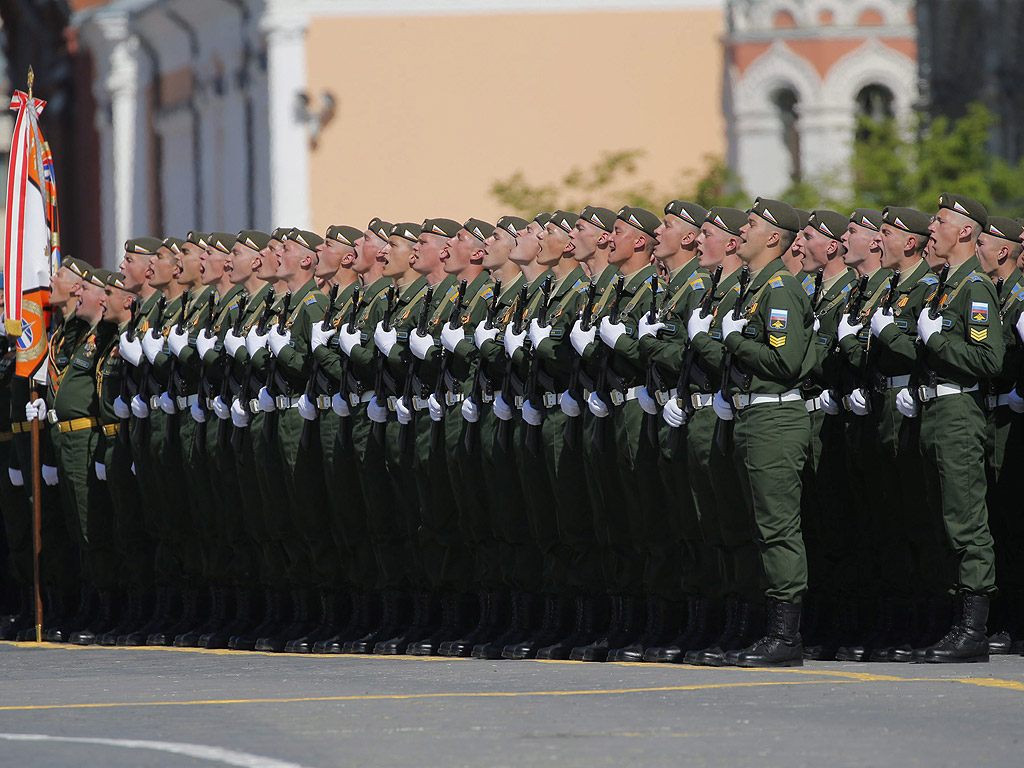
(64, 706)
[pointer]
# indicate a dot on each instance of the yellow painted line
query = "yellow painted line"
(441, 695)
(1009, 685)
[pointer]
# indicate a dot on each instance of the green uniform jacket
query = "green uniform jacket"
(295, 362)
(824, 365)
(668, 347)
(76, 392)
(1011, 304)
(707, 370)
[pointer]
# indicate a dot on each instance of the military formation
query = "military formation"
(710, 437)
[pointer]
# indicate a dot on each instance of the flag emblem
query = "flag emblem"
(719, 222)
(768, 215)
(779, 319)
(979, 312)
(633, 220)
(825, 229)
(960, 208)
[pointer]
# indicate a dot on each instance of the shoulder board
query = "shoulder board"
(234, 302)
(1018, 292)
(453, 291)
(384, 292)
(697, 284)
(929, 280)
(976, 278)
(808, 285)
(311, 299)
(580, 287)
(776, 282)
(846, 290)
(486, 292)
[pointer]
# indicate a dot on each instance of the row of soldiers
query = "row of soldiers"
(718, 437)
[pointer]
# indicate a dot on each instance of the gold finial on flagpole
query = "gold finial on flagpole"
(31, 80)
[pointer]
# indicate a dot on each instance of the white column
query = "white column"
(762, 159)
(826, 142)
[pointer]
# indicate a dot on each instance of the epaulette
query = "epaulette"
(776, 282)
(384, 292)
(928, 280)
(579, 286)
(808, 285)
(697, 284)
(846, 289)
(235, 302)
(1018, 292)
(486, 292)
(975, 278)
(311, 299)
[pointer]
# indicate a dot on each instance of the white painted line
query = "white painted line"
(211, 754)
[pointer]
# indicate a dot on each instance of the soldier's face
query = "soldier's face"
(133, 268)
(427, 253)
(397, 254)
(162, 265)
(368, 249)
(584, 239)
(670, 236)
(858, 240)
(497, 248)
(91, 299)
(991, 250)
(61, 285)
(527, 245)
(711, 243)
(190, 264)
(270, 259)
(211, 265)
(623, 244)
(553, 242)
(815, 248)
(329, 255)
(293, 257)
(458, 252)
(946, 231)
(117, 305)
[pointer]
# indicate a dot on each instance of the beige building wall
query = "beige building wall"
(432, 110)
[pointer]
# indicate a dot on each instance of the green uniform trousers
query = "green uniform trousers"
(136, 546)
(377, 494)
(275, 507)
(1005, 449)
(16, 510)
(396, 529)
(608, 505)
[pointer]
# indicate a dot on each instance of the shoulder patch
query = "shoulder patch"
(928, 279)
(311, 299)
(697, 284)
(779, 319)
(776, 282)
(976, 278)
(979, 312)
(808, 285)
(1018, 292)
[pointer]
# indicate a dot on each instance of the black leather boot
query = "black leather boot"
(782, 645)
(323, 629)
(489, 611)
(273, 616)
(216, 617)
(300, 625)
(551, 628)
(714, 654)
(354, 627)
(103, 621)
(189, 618)
(424, 621)
(653, 632)
(86, 607)
(135, 610)
(934, 619)
(21, 626)
(453, 612)
(521, 621)
(242, 621)
(387, 626)
(671, 649)
(966, 641)
(138, 634)
(583, 631)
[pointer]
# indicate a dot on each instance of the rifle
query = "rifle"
(381, 361)
(533, 381)
(246, 383)
(204, 384)
(410, 374)
(314, 370)
(571, 431)
(148, 386)
(343, 389)
(601, 386)
(125, 423)
(651, 383)
(479, 377)
(441, 389)
(175, 381)
(518, 307)
(270, 420)
(225, 384)
(723, 429)
(707, 306)
(935, 305)
(857, 297)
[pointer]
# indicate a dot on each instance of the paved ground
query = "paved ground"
(63, 705)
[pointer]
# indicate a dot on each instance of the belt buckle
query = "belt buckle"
(617, 397)
(354, 399)
(488, 397)
(282, 402)
(737, 402)
(519, 400)
(254, 405)
(661, 396)
(323, 402)
(419, 403)
(550, 399)
(391, 402)
(451, 398)
(154, 402)
(181, 403)
(52, 416)
(991, 402)
(924, 396)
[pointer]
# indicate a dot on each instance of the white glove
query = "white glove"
(133, 468)
(198, 414)
(121, 408)
(307, 408)
(1020, 326)
(101, 471)
(221, 409)
(139, 407)
(569, 405)
(847, 328)
(265, 402)
(673, 414)
(926, 326)
(378, 413)
(35, 409)
(581, 339)
(131, 350)
(177, 340)
(859, 405)
(348, 341)
(233, 342)
(697, 324)
(532, 416)
(435, 408)
(152, 344)
(611, 332)
(502, 409)
(482, 334)
(420, 344)
(513, 340)
(239, 415)
(279, 340)
(450, 337)
(205, 342)
(732, 325)
(470, 411)
(402, 411)
(538, 332)
(905, 404)
(340, 405)
(647, 401)
(828, 405)
(597, 406)
(49, 475)
(254, 342)
(647, 328)
(816, 325)
(166, 404)
(16, 477)
(385, 340)
(320, 335)
(1016, 402)
(723, 408)
(879, 320)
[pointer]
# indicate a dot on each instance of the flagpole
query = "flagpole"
(37, 490)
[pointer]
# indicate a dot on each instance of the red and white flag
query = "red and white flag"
(32, 238)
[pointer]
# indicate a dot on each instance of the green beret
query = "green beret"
(147, 246)
(479, 229)
(173, 243)
(512, 224)
(222, 241)
(690, 212)
(305, 238)
(97, 276)
(907, 219)
(280, 234)
(253, 238)
(1007, 229)
(406, 230)
(867, 217)
(803, 216)
(779, 214)
(116, 280)
(602, 218)
(379, 227)
(79, 267)
(972, 209)
(640, 218)
(343, 234)
(202, 239)
(443, 227)
(564, 220)
(829, 223)
(542, 219)
(727, 219)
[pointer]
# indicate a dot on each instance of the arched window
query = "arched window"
(783, 20)
(870, 18)
(786, 104)
(875, 101)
